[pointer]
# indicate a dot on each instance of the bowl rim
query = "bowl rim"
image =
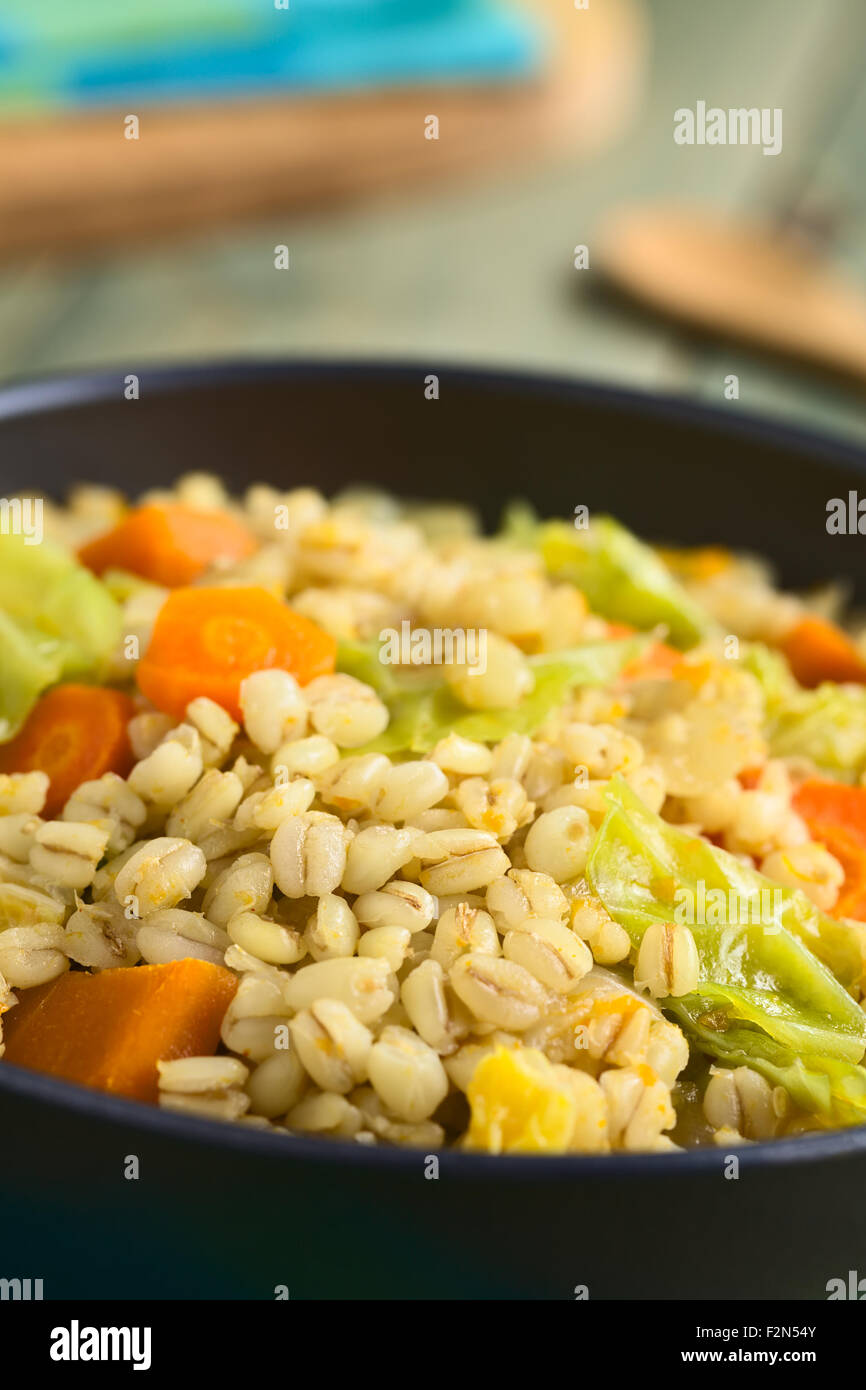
(284, 1146)
(21, 397)
(32, 397)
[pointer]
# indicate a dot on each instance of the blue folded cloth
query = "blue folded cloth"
(96, 51)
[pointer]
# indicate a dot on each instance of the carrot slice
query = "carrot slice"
(74, 733)
(851, 854)
(818, 650)
(658, 660)
(749, 777)
(836, 816)
(821, 801)
(170, 543)
(110, 1030)
(206, 641)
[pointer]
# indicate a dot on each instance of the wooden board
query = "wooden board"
(74, 181)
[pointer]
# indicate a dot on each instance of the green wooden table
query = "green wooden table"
(483, 272)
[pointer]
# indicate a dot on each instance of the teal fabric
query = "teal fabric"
(96, 51)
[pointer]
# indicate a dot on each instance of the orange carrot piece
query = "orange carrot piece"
(658, 660)
(74, 733)
(821, 801)
(110, 1030)
(206, 641)
(851, 854)
(836, 816)
(818, 650)
(169, 543)
(749, 777)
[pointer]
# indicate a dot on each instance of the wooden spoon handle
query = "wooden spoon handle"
(739, 282)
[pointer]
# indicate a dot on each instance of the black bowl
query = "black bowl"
(227, 1212)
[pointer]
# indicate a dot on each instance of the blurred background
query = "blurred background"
(432, 167)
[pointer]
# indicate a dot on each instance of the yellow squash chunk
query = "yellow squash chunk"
(519, 1104)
